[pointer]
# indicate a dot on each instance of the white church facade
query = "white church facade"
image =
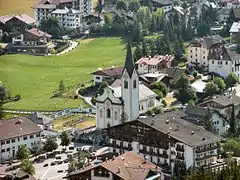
(125, 99)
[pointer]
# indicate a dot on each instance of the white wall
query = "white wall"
(98, 78)
(197, 54)
(188, 154)
(221, 67)
(219, 124)
(142, 69)
(130, 95)
(145, 105)
(14, 145)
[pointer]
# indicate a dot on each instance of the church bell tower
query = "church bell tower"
(130, 87)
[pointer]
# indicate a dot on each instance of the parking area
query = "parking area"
(49, 170)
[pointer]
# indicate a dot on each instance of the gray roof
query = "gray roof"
(39, 118)
(236, 12)
(224, 53)
(45, 6)
(224, 100)
(207, 42)
(66, 11)
(224, 11)
(129, 64)
(171, 123)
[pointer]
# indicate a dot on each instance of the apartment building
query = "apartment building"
(15, 132)
(199, 48)
(69, 18)
(68, 11)
(165, 140)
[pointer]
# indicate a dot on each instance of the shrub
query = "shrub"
(93, 101)
(164, 103)
(157, 110)
(76, 96)
(149, 113)
(159, 94)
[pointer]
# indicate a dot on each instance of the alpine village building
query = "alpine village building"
(165, 140)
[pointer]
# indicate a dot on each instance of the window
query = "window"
(25, 138)
(3, 142)
(212, 62)
(8, 149)
(203, 57)
(101, 113)
(31, 136)
(98, 77)
(191, 51)
(18, 139)
(37, 135)
(134, 84)
(8, 141)
(3, 150)
(191, 56)
(115, 115)
(125, 85)
(13, 140)
(108, 113)
(226, 63)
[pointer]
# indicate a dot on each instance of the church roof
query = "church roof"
(144, 91)
(129, 64)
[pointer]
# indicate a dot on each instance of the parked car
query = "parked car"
(53, 163)
(45, 165)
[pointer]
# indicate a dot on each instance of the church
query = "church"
(125, 99)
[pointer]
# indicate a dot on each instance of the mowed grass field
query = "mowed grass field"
(17, 7)
(35, 78)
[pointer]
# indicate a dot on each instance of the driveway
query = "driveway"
(70, 48)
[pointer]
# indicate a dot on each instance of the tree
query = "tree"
(61, 86)
(134, 5)
(182, 82)
(231, 80)
(71, 165)
(50, 144)
(108, 19)
(65, 139)
(137, 53)
(137, 31)
(99, 7)
(145, 49)
(36, 149)
(233, 128)
(121, 5)
(211, 89)
(79, 163)
(27, 166)
(102, 87)
(220, 84)
(52, 26)
(160, 86)
(184, 5)
(23, 152)
(184, 95)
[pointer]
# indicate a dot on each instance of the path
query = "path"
(86, 98)
(73, 44)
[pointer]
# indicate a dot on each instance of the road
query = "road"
(70, 48)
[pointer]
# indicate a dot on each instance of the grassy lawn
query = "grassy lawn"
(35, 78)
(17, 7)
(78, 121)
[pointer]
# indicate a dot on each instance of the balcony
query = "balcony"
(179, 149)
(206, 149)
(205, 157)
(180, 157)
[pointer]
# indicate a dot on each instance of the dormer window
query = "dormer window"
(125, 85)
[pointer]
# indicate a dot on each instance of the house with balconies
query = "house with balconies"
(166, 140)
(32, 41)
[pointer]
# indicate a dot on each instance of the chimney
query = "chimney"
(192, 133)
(167, 121)
(123, 158)
(203, 138)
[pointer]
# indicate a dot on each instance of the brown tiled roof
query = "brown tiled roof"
(38, 33)
(16, 127)
(155, 60)
(128, 166)
(114, 71)
(22, 17)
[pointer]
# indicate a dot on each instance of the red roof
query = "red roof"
(17, 127)
(22, 17)
(112, 72)
(153, 61)
(38, 33)
(126, 166)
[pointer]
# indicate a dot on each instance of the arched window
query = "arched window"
(125, 85)
(134, 84)
(101, 115)
(108, 113)
(115, 115)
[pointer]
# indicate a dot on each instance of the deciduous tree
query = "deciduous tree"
(27, 166)
(50, 144)
(231, 80)
(211, 89)
(65, 139)
(134, 5)
(23, 152)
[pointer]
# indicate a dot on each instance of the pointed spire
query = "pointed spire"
(129, 64)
